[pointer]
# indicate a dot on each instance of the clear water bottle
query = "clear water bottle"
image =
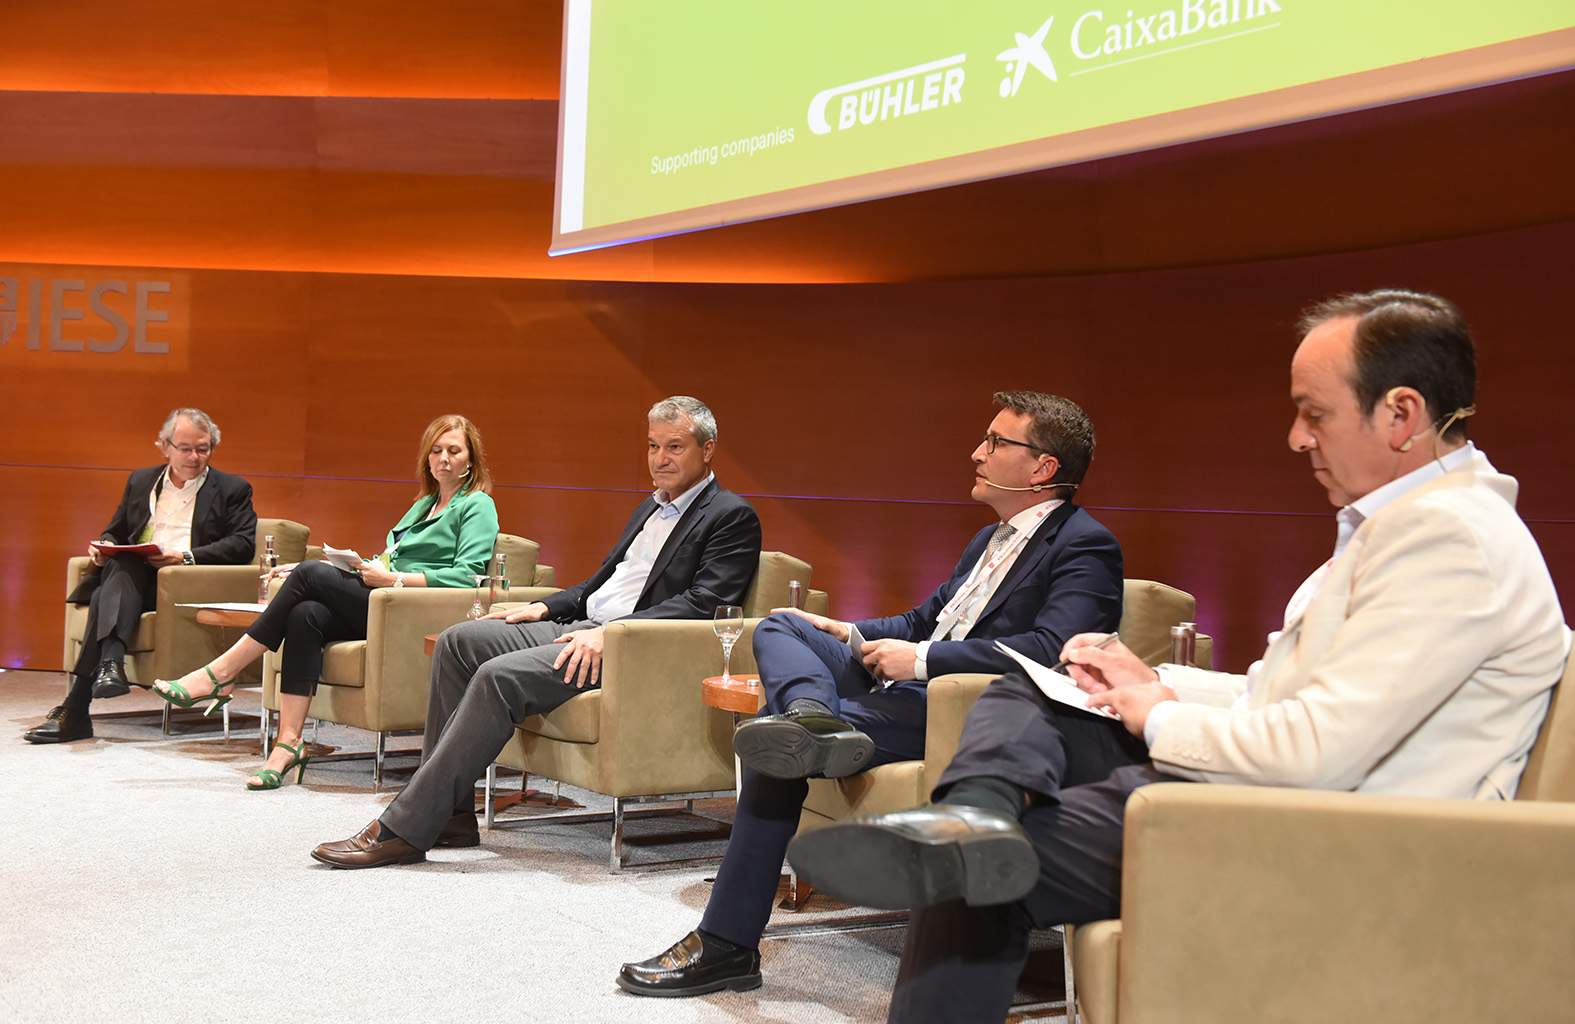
(501, 575)
(795, 594)
(270, 562)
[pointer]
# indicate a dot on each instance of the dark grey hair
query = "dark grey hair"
(680, 407)
(199, 419)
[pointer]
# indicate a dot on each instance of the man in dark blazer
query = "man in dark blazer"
(845, 696)
(688, 549)
(195, 514)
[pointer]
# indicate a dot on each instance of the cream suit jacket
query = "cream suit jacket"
(1422, 666)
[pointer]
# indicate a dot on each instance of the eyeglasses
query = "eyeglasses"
(992, 441)
(202, 451)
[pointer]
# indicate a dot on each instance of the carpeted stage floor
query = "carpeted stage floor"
(142, 882)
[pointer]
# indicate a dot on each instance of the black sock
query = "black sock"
(805, 705)
(716, 944)
(384, 833)
(80, 695)
(988, 792)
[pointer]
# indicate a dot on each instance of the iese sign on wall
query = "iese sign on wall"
(73, 313)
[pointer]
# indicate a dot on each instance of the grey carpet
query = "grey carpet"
(141, 882)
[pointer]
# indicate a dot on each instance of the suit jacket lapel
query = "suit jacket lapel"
(199, 514)
(1036, 551)
(692, 517)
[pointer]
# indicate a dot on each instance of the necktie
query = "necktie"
(980, 593)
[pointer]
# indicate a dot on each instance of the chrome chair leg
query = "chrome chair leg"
(377, 758)
(1066, 967)
(225, 711)
(488, 793)
(615, 857)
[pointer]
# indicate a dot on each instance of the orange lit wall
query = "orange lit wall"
(350, 203)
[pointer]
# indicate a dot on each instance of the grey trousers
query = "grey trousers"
(487, 677)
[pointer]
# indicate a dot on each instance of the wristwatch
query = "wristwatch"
(187, 559)
(399, 580)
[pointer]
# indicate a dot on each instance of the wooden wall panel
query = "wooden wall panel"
(847, 412)
(501, 49)
(463, 187)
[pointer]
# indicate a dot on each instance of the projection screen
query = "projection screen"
(680, 115)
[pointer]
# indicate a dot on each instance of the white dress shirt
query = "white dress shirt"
(617, 597)
(170, 511)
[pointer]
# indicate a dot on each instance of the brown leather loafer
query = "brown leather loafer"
(461, 830)
(365, 850)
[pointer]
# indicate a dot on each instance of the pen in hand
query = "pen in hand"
(1061, 665)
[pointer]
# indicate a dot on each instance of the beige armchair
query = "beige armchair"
(380, 683)
(1148, 611)
(169, 642)
(645, 736)
(1243, 903)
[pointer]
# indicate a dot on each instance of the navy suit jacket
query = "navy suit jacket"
(708, 560)
(1067, 580)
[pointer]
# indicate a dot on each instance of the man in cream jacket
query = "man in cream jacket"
(1418, 660)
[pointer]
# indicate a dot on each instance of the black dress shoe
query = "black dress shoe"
(110, 679)
(919, 858)
(688, 969)
(461, 830)
(799, 744)
(366, 850)
(61, 725)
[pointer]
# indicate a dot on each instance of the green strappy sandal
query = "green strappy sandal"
(272, 779)
(177, 695)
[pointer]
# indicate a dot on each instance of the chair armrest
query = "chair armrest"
(1365, 907)
(817, 602)
(519, 597)
(666, 739)
(78, 568)
(546, 576)
(179, 643)
(950, 699)
(398, 669)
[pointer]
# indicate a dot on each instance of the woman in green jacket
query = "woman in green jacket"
(444, 540)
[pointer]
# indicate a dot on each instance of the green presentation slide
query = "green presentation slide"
(683, 104)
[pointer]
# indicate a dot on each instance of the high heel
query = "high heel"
(177, 695)
(273, 779)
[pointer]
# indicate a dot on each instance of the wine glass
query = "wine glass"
(728, 626)
(476, 610)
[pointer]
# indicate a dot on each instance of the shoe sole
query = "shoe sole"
(417, 858)
(457, 842)
(105, 692)
(883, 868)
(46, 740)
(742, 983)
(785, 750)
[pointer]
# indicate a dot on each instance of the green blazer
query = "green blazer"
(451, 549)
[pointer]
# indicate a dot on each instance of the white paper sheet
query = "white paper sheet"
(1056, 685)
(342, 558)
(227, 606)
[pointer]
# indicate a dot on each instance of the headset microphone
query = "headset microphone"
(1036, 488)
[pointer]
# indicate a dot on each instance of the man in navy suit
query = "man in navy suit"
(845, 696)
(689, 548)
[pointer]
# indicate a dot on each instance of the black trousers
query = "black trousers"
(128, 586)
(962, 963)
(317, 605)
